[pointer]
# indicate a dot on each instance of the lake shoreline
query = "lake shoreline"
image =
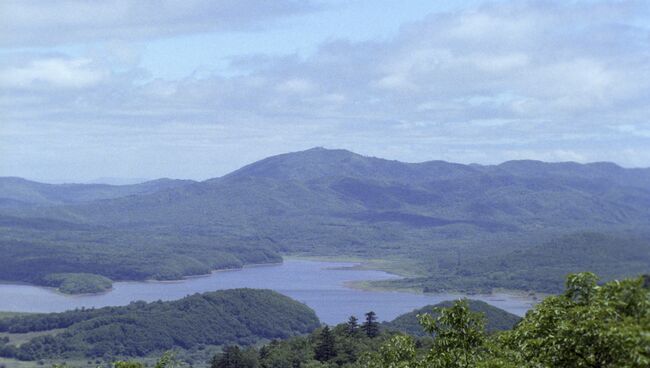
(355, 264)
(183, 278)
(366, 285)
(330, 288)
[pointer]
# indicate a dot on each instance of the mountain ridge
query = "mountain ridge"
(33, 193)
(336, 202)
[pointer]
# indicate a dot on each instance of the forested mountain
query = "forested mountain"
(236, 316)
(439, 217)
(341, 184)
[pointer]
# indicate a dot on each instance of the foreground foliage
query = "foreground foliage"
(587, 326)
(496, 319)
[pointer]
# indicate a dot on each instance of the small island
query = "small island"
(78, 283)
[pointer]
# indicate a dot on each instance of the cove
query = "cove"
(320, 285)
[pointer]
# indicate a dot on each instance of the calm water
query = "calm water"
(318, 284)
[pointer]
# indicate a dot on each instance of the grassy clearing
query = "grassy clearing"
(85, 363)
(370, 286)
(397, 266)
(14, 363)
(20, 338)
(11, 314)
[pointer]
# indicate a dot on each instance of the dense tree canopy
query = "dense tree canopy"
(236, 316)
(589, 325)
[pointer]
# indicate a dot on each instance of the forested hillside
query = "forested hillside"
(455, 226)
(42, 255)
(236, 316)
(541, 267)
(495, 319)
(588, 325)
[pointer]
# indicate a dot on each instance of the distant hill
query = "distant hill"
(18, 192)
(237, 316)
(116, 180)
(437, 216)
(542, 267)
(339, 184)
(496, 319)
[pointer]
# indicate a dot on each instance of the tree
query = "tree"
(352, 326)
(168, 360)
(325, 349)
(459, 336)
(587, 326)
(128, 364)
(233, 357)
(370, 326)
(398, 352)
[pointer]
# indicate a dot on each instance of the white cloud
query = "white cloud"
(296, 86)
(52, 72)
(515, 80)
(500, 63)
(44, 23)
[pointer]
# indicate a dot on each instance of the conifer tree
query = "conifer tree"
(325, 349)
(370, 326)
(352, 326)
(230, 358)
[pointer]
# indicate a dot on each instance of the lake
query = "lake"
(320, 285)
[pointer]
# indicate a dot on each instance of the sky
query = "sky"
(197, 88)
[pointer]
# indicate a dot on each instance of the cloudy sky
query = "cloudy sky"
(197, 88)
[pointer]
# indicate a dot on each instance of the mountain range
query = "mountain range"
(435, 216)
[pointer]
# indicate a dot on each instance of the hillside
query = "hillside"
(237, 316)
(18, 192)
(435, 217)
(496, 319)
(40, 256)
(542, 267)
(340, 184)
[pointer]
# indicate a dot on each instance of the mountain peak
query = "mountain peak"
(305, 165)
(317, 148)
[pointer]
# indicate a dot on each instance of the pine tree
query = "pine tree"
(325, 349)
(370, 326)
(230, 358)
(352, 326)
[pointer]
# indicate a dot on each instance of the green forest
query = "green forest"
(588, 325)
(85, 260)
(495, 319)
(236, 316)
(541, 267)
